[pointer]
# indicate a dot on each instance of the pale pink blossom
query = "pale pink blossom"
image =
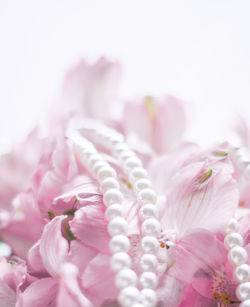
(89, 90)
(158, 121)
(14, 278)
(208, 273)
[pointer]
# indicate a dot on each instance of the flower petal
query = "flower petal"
(80, 254)
(90, 227)
(98, 279)
(40, 293)
(69, 293)
(7, 295)
(162, 121)
(35, 259)
(53, 246)
(196, 192)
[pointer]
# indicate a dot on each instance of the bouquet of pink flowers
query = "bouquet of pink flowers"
(112, 207)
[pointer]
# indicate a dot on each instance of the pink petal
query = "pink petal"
(17, 238)
(162, 121)
(17, 167)
(13, 280)
(35, 259)
(25, 226)
(40, 293)
(69, 293)
(162, 168)
(192, 199)
(53, 246)
(91, 90)
(80, 191)
(57, 168)
(7, 295)
(80, 254)
(90, 227)
(98, 279)
(199, 255)
(192, 298)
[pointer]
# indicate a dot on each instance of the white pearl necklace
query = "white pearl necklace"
(233, 241)
(237, 255)
(126, 278)
(146, 198)
(241, 160)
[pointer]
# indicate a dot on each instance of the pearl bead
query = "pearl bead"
(109, 183)
(118, 226)
(148, 262)
(131, 163)
(237, 255)
(93, 159)
(148, 280)
(86, 153)
(126, 278)
(232, 226)
(119, 243)
(112, 196)
(245, 304)
(128, 296)
(148, 211)
(233, 239)
(114, 211)
(138, 305)
(126, 154)
(242, 272)
(120, 261)
(141, 184)
(243, 291)
(119, 148)
(137, 173)
(149, 297)
(146, 196)
(98, 165)
(150, 244)
(117, 136)
(106, 172)
(114, 142)
(151, 227)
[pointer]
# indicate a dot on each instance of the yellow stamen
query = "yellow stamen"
(241, 203)
(204, 177)
(150, 106)
(220, 153)
(128, 184)
(162, 245)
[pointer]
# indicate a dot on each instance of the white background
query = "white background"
(196, 49)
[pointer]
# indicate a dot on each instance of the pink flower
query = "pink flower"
(60, 291)
(89, 90)
(159, 122)
(17, 167)
(195, 192)
(13, 280)
(208, 273)
(52, 261)
(57, 187)
(53, 215)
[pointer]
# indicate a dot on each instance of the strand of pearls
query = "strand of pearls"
(234, 241)
(237, 255)
(126, 278)
(241, 160)
(146, 198)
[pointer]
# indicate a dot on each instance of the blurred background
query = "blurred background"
(196, 50)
